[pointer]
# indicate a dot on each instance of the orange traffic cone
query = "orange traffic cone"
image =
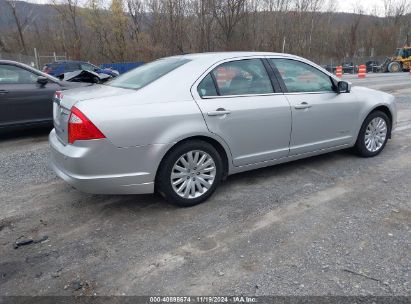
(338, 71)
(362, 71)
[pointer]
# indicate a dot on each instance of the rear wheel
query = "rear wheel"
(190, 173)
(373, 134)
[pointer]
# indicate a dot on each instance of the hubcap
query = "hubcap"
(375, 134)
(193, 174)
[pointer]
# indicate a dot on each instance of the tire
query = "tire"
(394, 67)
(365, 147)
(191, 177)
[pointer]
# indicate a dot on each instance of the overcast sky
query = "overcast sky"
(368, 6)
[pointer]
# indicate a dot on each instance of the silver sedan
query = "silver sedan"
(180, 125)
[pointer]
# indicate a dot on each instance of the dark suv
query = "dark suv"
(26, 95)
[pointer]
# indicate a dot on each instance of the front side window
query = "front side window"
(242, 77)
(406, 53)
(147, 73)
(10, 74)
(302, 77)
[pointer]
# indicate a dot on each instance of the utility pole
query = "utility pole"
(36, 58)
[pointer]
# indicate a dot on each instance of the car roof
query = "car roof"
(4, 61)
(11, 62)
(68, 61)
(204, 60)
(61, 61)
(227, 55)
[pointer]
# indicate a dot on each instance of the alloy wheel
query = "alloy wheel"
(375, 134)
(193, 174)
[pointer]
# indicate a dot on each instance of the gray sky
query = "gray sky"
(368, 6)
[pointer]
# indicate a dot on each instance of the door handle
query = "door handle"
(219, 111)
(2, 92)
(302, 105)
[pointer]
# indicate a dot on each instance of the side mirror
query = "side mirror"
(343, 87)
(42, 80)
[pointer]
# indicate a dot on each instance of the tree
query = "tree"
(21, 23)
(118, 29)
(228, 14)
(203, 12)
(70, 28)
(136, 11)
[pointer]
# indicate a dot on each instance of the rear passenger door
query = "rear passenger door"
(242, 105)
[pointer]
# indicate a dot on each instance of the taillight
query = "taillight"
(81, 128)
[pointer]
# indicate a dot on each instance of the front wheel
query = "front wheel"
(189, 173)
(373, 134)
(394, 67)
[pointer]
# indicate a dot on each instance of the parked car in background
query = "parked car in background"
(329, 68)
(373, 66)
(26, 95)
(349, 68)
(85, 76)
(64, 66)
(180, 125)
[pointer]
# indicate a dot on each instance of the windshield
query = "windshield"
(145, 74)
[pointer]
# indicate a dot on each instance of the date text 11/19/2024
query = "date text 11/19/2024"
(203, 299)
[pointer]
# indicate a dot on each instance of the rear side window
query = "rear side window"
(72, 66)
(242, 77)
(301, 77)
(147, 73)
(206, 87)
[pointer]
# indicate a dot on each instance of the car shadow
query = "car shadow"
(33, 133)
(154, 202)
(271, 171)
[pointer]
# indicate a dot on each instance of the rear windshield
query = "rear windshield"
(145, 74)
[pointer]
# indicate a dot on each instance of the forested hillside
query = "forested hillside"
(128, 30)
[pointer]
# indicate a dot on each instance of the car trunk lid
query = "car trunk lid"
(63, 102)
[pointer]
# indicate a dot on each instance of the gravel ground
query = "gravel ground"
(334, 224)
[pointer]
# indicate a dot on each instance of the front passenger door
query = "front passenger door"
(321, 118)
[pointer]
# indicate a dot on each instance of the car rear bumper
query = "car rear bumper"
(97, 166)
